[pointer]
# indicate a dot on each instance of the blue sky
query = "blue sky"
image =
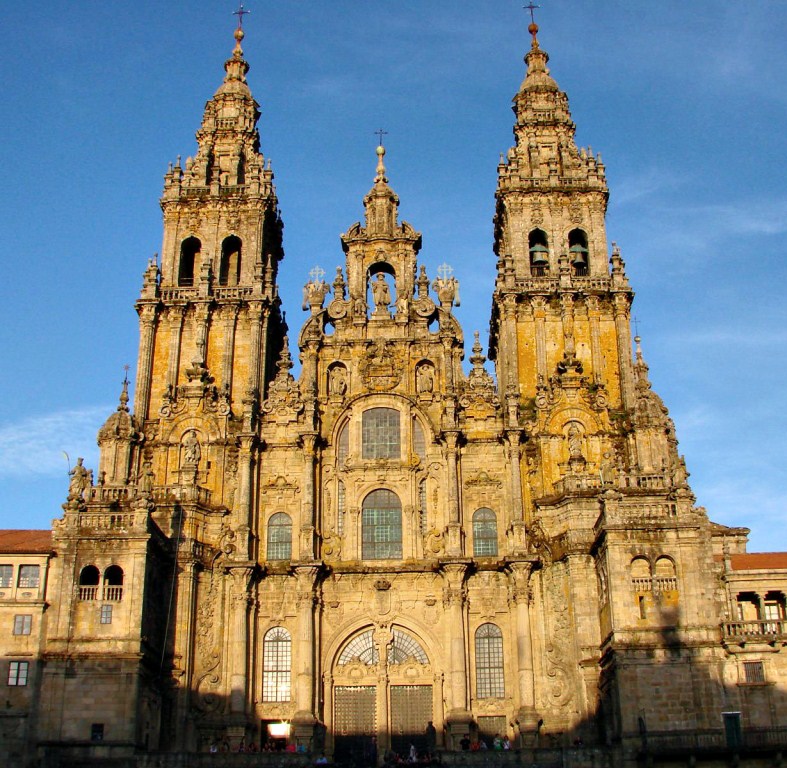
(687, 102)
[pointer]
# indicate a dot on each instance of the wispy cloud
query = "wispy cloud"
(646, 183)
(34, 446)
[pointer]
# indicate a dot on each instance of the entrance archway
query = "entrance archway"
(382, 694)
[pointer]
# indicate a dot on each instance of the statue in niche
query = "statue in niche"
(337, 381)
(381, 294)
(401, 306)
(191, 450)
(574, 442)
(424, 380)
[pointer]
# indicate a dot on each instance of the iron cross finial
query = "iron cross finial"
(317, 274)
(240, 13)
(380, 132)
(532, 7)
(636, 326)
(126, 368)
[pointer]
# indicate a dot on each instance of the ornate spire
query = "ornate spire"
(381, 203)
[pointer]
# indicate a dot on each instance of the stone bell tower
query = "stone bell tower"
(608, 509)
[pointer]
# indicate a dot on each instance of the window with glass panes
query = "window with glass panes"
(17, 673)
(29, 576)
(380, 436)
(382, 526)
(23, 624)
(6, 576)
(484, 533)
(276, 661)
(489, 676)
(279, 537)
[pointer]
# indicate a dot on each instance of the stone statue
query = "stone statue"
(574, 442)
(191, 449)
(424, 380)
(337, 382)
(81, 480)
(381, 293)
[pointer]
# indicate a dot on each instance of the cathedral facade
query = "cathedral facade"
(391, 540)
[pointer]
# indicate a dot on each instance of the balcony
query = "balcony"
(762, 630)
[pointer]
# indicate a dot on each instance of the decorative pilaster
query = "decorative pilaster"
(458, 718)
(304, 657)
(238, 636)
(147, 331)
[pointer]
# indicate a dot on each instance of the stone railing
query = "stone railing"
(578, 484)
(112, 522)
(111, 593)
(654, 482)
(763, 628)
(686, 742)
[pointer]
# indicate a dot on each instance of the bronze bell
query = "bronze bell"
(539, 255)
(579, 255)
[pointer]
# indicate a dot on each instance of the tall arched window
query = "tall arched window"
(276, 663)
(229, 267)
(381, 434)
(189, 249)
(489, 673)
(578, 251)
(538, 249)
(419, 443)
(382, 526)
(343, 448)
(279, 537)
(113, 583)
(484, 533)
(89, 578)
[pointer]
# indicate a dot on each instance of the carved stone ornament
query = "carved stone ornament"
(479, 389)
(381, 369)
(482, 480)
(284, 399)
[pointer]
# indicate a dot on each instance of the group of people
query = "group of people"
(499, 744)
(270, 745)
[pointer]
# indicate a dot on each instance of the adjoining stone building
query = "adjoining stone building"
(389, 540)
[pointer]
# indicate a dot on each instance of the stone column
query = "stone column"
(567, 316)
(539, 320)
(511, 342)
(592, 304)
(303, 720)
(256, 314)
(242, 512)
(527, 718)
(623, 334)
(238, 637)
(147, 327)
(181, 629)
(176, 314)
(458, 719)
(306, 543)
(513, 439)
(230, 316)
(454, 544)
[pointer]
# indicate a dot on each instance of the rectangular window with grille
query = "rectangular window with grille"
(23, 624)
(106, 614)
(17, 673)
(753, 672)
(6, 576)
(29, 576)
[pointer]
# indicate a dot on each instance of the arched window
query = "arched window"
(381, 526)
(113, 583)
(578, 251)
(229, 267)
(381, 434)
(538, 248)
(89, 578)
(489, 673)
(665, 579)
(279, 537)
(343, 449)
(189, 249)
(640, 574)
(484, 533)
(419, 443)
(363, 649)
(276, 662)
